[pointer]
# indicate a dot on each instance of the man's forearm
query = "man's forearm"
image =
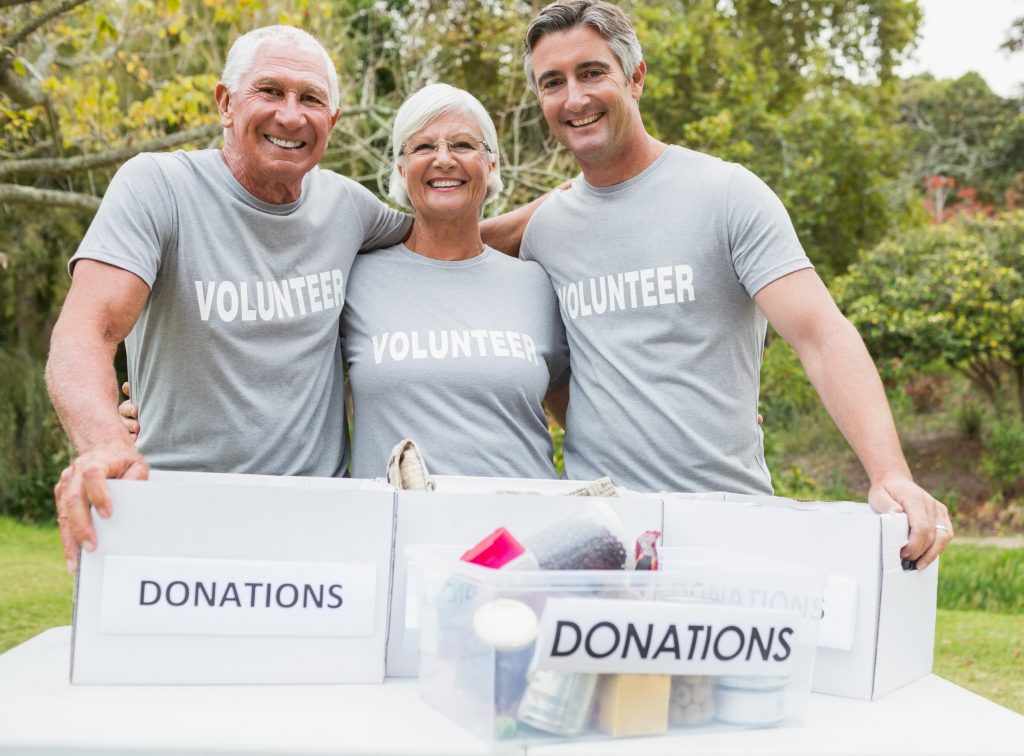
(82, 384)
(505, 232)
(841, 370)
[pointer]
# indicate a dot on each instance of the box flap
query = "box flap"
(906, 632)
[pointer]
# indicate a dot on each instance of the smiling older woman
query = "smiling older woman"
(446, 340)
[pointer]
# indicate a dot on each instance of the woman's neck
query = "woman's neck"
(454, 239)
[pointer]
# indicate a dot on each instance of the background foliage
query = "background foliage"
(802, 93)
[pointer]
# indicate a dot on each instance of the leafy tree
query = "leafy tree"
(84, 86)
(1015, 36)
(962, 130)
(952, 293)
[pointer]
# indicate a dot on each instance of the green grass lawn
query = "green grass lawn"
(35, 591)
(979, 635)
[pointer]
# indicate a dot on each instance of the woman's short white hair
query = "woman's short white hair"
(420, 109)
(242, 56)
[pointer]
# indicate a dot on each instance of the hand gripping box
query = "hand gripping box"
(206, 578)
(549, 655)
(878, 624)
(463, 510)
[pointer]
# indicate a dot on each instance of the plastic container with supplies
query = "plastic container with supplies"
(548, 655)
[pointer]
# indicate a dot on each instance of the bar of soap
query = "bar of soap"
(634, 704)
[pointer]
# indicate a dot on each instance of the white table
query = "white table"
(42, 713)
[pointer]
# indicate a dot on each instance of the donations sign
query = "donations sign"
(624, 636)
(162, 595)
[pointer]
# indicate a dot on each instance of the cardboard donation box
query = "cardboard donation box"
(543, 655)
(205, 578)
(878, 618)
(461, 511)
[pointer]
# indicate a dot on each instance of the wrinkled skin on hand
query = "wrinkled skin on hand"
(82, 487)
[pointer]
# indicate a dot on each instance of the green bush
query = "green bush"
(970, 417)
(33, 447)
(786, 394)
(982, 577)
(1002, 460)
(952, 293)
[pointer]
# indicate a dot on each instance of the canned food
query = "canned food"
(558, 702)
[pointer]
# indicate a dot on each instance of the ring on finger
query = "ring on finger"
(942, 527)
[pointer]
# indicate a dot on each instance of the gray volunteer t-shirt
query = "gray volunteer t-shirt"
(457, 355)
(235, 360)
(654, 278)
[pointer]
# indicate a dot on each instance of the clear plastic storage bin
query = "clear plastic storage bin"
(709, 640)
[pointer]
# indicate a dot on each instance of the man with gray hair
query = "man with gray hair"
(668, 264)
(224, 271)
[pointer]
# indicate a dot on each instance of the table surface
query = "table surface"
(42, 713)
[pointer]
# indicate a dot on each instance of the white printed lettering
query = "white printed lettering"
(440, 345)
(313, 287)
(438, 352)
(616, 293)
(460, 343)
(572, 302)
(480, 343)
(665, 295)
(205, 299)
(226, 292)
(647, 287)
(251, 301)
(531, 349)
(418, 352)
(631, 278)
(684, 282)
(282, 299)
(599, 303)
(265, 300)
(298, 285)
(325, 287)
(499, 345)
(585, 308)
(515, 343)
(379, 344)
(248, 312)
(399, 353)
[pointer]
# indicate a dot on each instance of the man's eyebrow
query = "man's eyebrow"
(548, 75)
(602, 64)
(305, 87)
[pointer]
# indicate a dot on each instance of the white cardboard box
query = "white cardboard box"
(878, 629)
(461, 512)
(226, 579)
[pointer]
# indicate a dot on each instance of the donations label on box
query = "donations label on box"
(164, 595)
(627, 636)
(203, 578)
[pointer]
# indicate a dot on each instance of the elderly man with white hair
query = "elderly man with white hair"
(225, 272)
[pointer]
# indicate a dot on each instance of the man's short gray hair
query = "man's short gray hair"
(606, 19)
(242, 56)
(420, 109)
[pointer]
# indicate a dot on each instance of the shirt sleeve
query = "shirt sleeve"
(135, 222)
(762, 240)
(558, 358)
(382, 226)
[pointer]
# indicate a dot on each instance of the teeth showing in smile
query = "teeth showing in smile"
(445, 183)
(283, 142)
(584, 121)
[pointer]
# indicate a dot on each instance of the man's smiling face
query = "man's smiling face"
(278, 121)
(588, 101)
